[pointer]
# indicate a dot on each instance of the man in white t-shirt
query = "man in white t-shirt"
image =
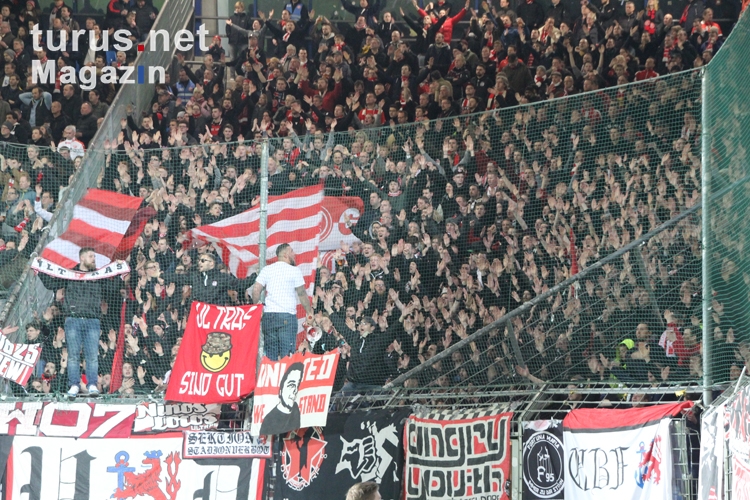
(284, 286)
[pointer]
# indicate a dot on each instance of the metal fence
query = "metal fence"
(28, 297)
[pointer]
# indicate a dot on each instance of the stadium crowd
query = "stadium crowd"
(472, 206)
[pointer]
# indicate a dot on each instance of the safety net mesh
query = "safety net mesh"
(727, 139)
(447, 226)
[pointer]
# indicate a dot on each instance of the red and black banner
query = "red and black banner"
(320, 463)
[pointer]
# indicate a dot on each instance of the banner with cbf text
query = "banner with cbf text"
(543, 460)
(216, 361)
(143, 467)
(623, 454)
(458, 456)
(293, 393)
(322, 463)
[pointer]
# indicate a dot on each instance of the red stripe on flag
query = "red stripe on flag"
(59, 259)
(86, 240)
(102, 235)
(598, 418)
(113, 205)
(83, 233)
(141, 218)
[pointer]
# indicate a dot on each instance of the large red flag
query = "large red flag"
(295, 218)
(100, 220)
(218, 354)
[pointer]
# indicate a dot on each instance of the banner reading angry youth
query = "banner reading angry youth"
(216, 361)
(458, 456)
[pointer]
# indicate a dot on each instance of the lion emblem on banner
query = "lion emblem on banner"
(147, 483)
(649, 465)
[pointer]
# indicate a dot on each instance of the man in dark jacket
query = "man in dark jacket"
(368, 353)
(237, 30)
(86, 127)
(209, 285)
(82, 307)
(532, 14)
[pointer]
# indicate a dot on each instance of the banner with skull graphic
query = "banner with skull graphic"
(320, 463)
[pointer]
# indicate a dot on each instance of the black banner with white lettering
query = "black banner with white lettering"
(323, 463)
(543, 460)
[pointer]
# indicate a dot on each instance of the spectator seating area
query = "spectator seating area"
(473, 206)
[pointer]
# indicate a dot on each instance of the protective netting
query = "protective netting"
(465, 219)
(727, 188)
(28, 172)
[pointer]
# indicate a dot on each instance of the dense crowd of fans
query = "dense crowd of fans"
(46, 126)
(471, 208)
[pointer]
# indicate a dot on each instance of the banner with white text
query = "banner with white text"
(145, 467)
(17, 360)
(217, 357)
(55, 419)
(625, 453)
(458, 456)
(543, 460)
(293, 393)
(169, 417)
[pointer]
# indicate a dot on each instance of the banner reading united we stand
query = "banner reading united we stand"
(293, 393)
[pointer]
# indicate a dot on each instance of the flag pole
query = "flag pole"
(263, 206)
(262, 235)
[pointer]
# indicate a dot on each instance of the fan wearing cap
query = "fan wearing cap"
(216, 50)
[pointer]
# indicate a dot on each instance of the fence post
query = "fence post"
(706, 240)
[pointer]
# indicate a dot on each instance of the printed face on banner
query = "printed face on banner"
(293, 393)
(135, 468)
(216, 360)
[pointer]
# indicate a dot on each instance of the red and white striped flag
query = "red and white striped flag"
(294, 218)
(100, 220)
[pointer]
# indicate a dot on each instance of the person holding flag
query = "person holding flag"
(284, 286)
(82, 307)
(209, 285)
